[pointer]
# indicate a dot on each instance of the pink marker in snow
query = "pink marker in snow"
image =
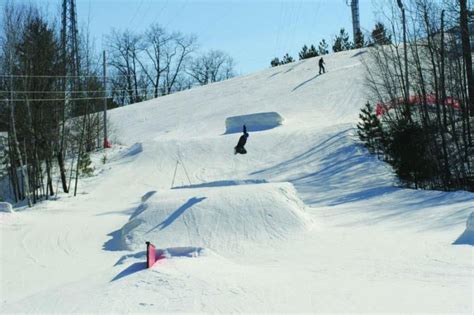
(150, 254)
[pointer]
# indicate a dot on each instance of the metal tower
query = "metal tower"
(354, 4)
(70, 65)
(69, 43)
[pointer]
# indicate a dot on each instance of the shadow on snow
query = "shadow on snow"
(177, 213)
(305, 82)
(168, 253)
(133, 268)
(345, 175)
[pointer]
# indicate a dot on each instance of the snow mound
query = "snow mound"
(6, 207)
(223, 218)
(467, 238)
(254, 122)
(134, 150)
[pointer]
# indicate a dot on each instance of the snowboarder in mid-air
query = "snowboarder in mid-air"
(321, 65)
(239, 148)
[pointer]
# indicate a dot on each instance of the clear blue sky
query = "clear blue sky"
(251, 31)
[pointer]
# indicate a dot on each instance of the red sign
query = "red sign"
(107, 144)
(150, 254)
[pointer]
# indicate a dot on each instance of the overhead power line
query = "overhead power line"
(72, 92)
(51, 99)
(62, 76)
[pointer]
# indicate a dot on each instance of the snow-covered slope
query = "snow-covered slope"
(296, 91)
(307, 221)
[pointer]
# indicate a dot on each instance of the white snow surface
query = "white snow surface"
(307, 221)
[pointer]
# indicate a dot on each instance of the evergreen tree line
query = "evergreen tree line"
(341, 42)
(47, 124)
(423, 120)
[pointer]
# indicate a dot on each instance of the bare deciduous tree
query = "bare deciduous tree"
(212, 66)
(157, 42)
(177, 55)
(124, 48)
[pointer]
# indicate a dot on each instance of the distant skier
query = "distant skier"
(321, 65)
(239, 148)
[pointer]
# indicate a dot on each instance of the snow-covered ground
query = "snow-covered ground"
(307, 221)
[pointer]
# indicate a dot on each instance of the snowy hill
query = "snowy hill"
(307, 221)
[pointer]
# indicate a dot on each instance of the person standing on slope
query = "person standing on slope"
(321, 65)
(239, 148)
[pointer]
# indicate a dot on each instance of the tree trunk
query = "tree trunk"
(466, 48)
(49, 178)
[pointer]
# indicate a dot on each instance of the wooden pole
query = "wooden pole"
(106, 142)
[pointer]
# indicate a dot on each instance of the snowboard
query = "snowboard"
(240, 150)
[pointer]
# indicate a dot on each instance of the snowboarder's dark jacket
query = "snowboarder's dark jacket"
(239, 148)
(321, 66)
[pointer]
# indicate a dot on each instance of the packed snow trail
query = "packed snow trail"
(366, 246)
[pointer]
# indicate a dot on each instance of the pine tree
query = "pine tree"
(370, 130)
(275, 62)
(85, 164)
(38, 53)
(323, 48)
(303, 53)
(337, 45)
(380, 36)
(312, 52)
(359, 41)
(341, 41)
(287, 59)
(409, 153)
(306, 53)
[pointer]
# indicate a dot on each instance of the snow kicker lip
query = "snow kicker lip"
(254, 122)
(223, 183)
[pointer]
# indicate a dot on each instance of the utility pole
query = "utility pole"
(407, 83)
(106, 141)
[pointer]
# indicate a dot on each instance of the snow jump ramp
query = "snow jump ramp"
(254, 122)
(221, 219)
